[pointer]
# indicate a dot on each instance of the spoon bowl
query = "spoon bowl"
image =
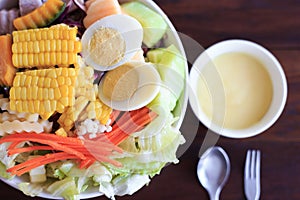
(213, 171)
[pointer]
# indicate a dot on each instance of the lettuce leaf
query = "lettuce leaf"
(3, 172)
(124, 185)
(65, 188)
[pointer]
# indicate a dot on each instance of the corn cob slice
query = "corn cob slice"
(45, 47)
(43, 91)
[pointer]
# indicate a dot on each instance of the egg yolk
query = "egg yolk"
(120, 83)
(107, 47)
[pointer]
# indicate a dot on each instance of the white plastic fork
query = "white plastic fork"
(252, 175)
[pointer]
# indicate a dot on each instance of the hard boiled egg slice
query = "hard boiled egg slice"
(111, 41)
(131, 86)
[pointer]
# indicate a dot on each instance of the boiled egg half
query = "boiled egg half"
(131, 86)
(111, 41)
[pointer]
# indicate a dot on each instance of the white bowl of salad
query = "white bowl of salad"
(89, 106)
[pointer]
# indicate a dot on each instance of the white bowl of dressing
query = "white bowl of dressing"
(238, 89)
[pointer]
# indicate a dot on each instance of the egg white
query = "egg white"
(129, 28)
(148, 87)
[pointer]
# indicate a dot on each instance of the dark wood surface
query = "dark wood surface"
(276, 25)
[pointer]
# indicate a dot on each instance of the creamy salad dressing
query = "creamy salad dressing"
(242, 95)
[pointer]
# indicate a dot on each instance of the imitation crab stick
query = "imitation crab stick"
(130, 122)
(39, 161)
(97, 9)
(84, 151)
(55, 145)
(27, 149)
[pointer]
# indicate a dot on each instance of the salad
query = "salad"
(89, 97)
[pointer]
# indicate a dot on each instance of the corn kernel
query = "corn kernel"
(64, 101)
(42, 72)
(92, 114)
(41, 82)
(20, 60)
(61, 132)
(16, 82)
(30, 59)
(54, 83)
(47, 105)
(51, 94)
(42, 108)
(36, 47)
(32, 35)
(30, 48)
(45, 93)
(34, 93)
(18, 92)
(60, 107)
(23, 93)
(65, 72)
(19, 106)
(68, 81)
(15, 60)
(27, 36)
(50, 34)
(53, 104)
(47, 61)
(53, 58)
(51, 74)
(36, 104)
(57, 93)
(28, 81)
(64, 58)
(14, 47)
(38, 35)
(47, 82)
(68, 122)
(40, 94)
(56, 33)
(31, 106)
(41, 58)
(25, 59)
(22, 79)
(29, 93)
(61, 80)
(34, 80)
(36, 60)
(24, 106)
(44, 34)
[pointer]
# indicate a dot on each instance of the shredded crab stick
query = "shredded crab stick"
(24, 167)
(128, 123)
(27, 149)
(86, 152)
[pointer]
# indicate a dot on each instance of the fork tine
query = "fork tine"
(247, 164)
(253, 166)
(258, 164)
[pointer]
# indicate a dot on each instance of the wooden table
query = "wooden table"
(276, 25)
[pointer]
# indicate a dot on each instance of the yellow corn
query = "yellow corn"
(38, 91)
(98, 110)
(61, 132)
(68, 118)
(45, 47)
